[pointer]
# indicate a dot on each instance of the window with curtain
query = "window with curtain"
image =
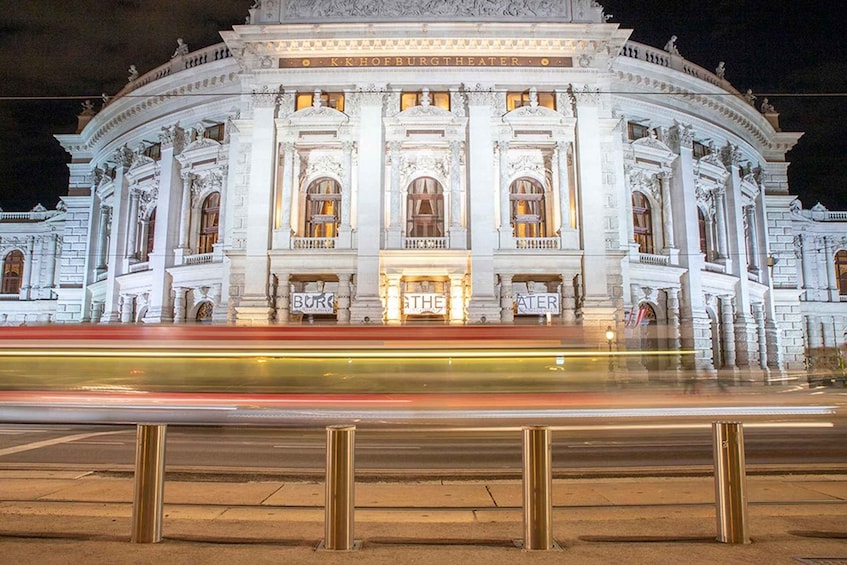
(702, 227)
(323, 208)
(642, 221)
(13, 269)
(528, 215)
(209, 217)
(425, 209)
(151, 232)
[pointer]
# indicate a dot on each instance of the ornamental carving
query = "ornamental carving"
(428, 9)
(730, 155)
(123, 157)
(412, 164)
(147, 200)
(680, 136)
(479, 95)
(173, 136)
(640, 180)
(265, 98)
(315, 165)
(202, 183)
(522, 163)
(587, 96)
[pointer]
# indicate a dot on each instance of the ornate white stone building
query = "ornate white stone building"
(379, 161)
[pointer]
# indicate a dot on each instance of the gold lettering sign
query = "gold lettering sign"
(423, 61)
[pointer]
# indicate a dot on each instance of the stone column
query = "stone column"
(829, 263)
(132, 238)
(667, 215)
(26, 276)
(254, 306)
(185, 212)
(179, 305)
(393, 300)
(396, 227)
(343, 314)
(127, 303)
(507, 298)
(457, 298)
(283, 235)
(283, 298)
(507, 231)
(759, 316)
(753, 235)
(675, 342)
(807, 257)
(728, 331)
(568, 299)
(345, 230)
(458, 233)
(720, 216)
(102, 238)
(50, 282)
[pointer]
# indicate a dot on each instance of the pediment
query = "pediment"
(201, 143)
(321, 114)
(654, 146)
(417, 113)
(534, 114)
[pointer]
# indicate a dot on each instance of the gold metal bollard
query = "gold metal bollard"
(340, 488)
(149, 484)
(537, 488)
(730, 482)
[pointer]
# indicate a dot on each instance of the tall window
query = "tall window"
(703, 228)
(209, 214)
(642, 221)
(841, 272)
(13, 268)
(323, 207)
(151, 232)
(634, 130)
(425, 209)
(526, 199)
(216, 132)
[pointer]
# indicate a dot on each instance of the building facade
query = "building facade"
(481, 162)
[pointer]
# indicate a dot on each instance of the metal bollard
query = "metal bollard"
(730, 482)
(340, 488)
(149, 484)
(537, 488)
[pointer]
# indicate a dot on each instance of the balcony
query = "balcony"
(425, 243)
(198, 259)
(312, 243)
(537, 242)
(653, 259)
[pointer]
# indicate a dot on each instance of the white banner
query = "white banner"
(538, 303)
(424, 303)
(313, 302)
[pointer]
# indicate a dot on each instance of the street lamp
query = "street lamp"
(610, 337)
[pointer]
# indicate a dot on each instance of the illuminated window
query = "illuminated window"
(216, 132)
(642, 222)
(516, 100)
(637, 131)
(425, 209)
(841, 272)
(209, 214)
(13, 268)
(204, 313)
(412, 99)
(328, 99)
(526, 199)
(323, 206)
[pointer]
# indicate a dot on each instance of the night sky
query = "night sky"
(791, 52)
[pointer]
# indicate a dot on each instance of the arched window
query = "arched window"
(526, 199)
(642, 222)
(425, 209)
(323, 208)
(841, 272)
(703, 228)
(209, 214)
(13, 269)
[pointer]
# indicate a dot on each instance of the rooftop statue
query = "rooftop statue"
(133, 73)
(181, 48)
(670, 46)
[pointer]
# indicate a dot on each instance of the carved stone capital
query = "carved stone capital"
(730, 155)
(586, 97)
(123, 157)
(265, 98)
(479, 95)
(680, 136)
(173, 136)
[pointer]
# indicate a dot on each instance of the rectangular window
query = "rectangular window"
(700, 150)
(215, 132)
(637, 131)
(333, 100)
(516, 100)
(154, 151)
(439, 99)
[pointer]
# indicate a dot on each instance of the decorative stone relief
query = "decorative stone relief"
(315, 164)
(588, 10)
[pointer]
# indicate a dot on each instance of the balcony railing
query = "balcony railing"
(537, 242)
(673, 61)
(312, 243)
(28, 216)
(425, 243)
(139, 267)
(198, 259)
(653, 259)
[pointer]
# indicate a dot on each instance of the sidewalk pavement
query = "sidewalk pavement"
(64, 517)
